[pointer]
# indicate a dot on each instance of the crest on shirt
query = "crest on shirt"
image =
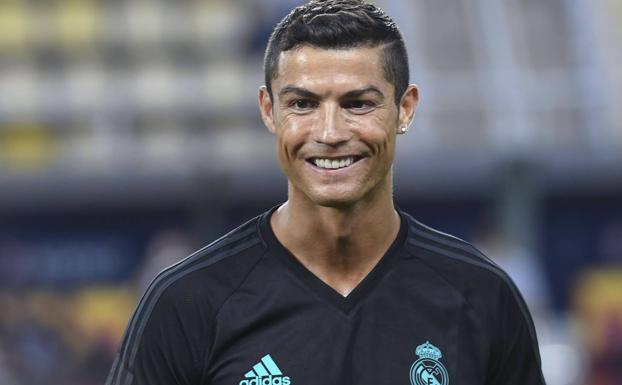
(428, 370)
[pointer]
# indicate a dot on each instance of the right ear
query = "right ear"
(265, 107)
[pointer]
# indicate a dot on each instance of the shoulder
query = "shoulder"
(485, 287)
(459, 264)
(184, 299)
(213, 271)
(199, 284)
(451, 256)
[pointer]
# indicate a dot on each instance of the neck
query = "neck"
(340, 245)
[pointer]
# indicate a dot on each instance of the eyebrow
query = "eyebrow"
(356, 93)
(298, 91)
(348, 95)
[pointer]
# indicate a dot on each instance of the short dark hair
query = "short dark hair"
(340, 24)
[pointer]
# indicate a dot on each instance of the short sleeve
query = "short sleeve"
(516, 358)
(165, 343)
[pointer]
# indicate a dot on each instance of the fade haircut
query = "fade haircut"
(340, 24)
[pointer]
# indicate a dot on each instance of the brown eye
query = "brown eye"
(302, 104)
(359, 105)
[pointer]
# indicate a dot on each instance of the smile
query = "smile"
(334, 163)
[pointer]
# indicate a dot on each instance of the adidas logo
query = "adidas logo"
(265, 372)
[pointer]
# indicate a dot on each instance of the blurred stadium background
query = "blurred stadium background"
(129, 136)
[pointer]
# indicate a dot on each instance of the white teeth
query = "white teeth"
(332, 164)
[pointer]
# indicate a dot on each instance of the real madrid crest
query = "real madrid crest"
(428, 370)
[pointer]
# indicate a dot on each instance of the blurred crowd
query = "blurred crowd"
(70, 336)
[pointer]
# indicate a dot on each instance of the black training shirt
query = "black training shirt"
(244, 311)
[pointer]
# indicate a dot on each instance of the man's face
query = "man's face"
(335, 119)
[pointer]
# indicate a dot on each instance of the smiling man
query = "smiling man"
(334, 286)
(336, 118)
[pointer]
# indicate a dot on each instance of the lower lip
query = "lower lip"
(334, 171)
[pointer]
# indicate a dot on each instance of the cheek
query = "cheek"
(375, 128)
(290, 139)
(378, 138)
(386, 132)
(296, 128)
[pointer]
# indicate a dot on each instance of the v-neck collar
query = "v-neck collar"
(319, 287)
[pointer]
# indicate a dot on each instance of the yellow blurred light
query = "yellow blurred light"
(78, 22)
(81, 318)
(14, 25)
(26, 147)
(103, 311)
(599, 305)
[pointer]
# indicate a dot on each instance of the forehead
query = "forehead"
(313, 67)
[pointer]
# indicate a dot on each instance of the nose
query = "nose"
(330, 129)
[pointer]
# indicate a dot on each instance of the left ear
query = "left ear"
(408, 105)
(265, 108)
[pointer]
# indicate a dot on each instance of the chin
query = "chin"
(336, 200)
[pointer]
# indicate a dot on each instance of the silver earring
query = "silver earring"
(403, 129)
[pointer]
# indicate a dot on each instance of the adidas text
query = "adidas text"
(269, 380)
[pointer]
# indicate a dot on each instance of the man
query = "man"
(333, 287)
